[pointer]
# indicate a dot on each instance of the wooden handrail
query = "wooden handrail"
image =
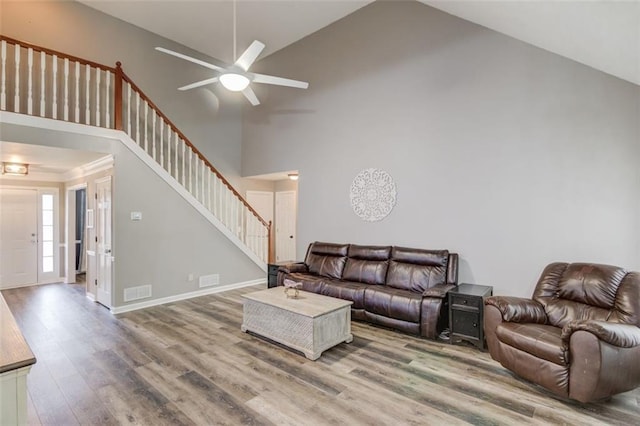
(56, 53)
(166, 119)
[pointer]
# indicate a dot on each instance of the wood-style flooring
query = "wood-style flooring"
(189, 363)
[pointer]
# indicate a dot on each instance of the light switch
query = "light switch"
(136, 215)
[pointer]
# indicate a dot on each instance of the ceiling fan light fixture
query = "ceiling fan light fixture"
(234, 82)
(293, 176)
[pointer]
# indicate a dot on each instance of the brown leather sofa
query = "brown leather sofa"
(396, 287)
(579, 335)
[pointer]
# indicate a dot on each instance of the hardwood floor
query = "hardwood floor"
(189, 363)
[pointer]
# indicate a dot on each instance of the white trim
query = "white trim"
(183, 296)
(90, 296)
(99, 165)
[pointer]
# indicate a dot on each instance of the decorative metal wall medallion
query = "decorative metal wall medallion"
(373, 194)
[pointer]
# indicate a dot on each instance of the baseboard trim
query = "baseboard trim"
(91, 297)
(155, 302)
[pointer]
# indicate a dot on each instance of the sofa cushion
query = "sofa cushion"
(345, 290)
(539, 340)
(327, 259)
(369, 252)
(393, 303)
(312, 283)
(417, 270)
(367, 264)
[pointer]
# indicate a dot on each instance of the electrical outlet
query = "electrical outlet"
(190, 277)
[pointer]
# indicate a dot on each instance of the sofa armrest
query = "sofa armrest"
(439, 290)
(615, 334)
(518, 309)
(290, 268)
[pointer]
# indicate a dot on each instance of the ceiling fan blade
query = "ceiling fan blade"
(251, 96)
(190, 59)
(249, 56)
(270, 79)
(198, 84)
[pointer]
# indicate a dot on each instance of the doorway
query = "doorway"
(103, 242)
(286, 206)
(29, 249)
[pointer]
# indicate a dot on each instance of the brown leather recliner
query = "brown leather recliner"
(579, 335)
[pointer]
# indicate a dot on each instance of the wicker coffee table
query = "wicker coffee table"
(310, 323)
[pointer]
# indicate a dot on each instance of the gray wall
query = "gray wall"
(172, 241)
(209, 118)
(510, 155)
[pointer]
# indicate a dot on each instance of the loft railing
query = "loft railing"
(42, 82)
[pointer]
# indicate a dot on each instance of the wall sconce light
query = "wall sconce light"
(15, 169)
(293, 176)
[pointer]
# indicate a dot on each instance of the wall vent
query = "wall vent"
(135, 293)
(209, 280)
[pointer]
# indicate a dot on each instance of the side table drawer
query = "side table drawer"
(463, 301)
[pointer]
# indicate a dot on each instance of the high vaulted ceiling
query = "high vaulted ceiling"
(603, 34)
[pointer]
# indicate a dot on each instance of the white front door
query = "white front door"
(286, 226)
(103, 246)
(18, 237)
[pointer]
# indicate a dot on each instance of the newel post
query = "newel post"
(271, 255)
(117, 98)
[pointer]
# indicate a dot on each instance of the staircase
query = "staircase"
(44, 83)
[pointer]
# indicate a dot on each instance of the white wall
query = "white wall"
(510, 155)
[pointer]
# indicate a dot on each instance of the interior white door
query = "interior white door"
(103, 246)
(262, 202)
(286, 225)
(18, 237)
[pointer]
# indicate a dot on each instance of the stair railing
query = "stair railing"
(43, 82)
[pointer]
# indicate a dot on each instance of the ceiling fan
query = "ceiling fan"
(237, 77)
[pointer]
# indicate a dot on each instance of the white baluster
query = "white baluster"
(153, 135)
(190, 172)
(129, 109)
(16, 96)
(107, 110)
(209, 189)
(169, 139)
(66, 90)
(175, 159)
(3, 90)
(183, 163)
(87, 106)
(146, 125)
(43, 67)
(161, 142)
(76, 104)
(54, 94)
(30, 82)
(202, 176)
(137, 117)
(98, 97)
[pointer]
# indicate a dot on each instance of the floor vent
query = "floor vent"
(135, 293)
(209, 280)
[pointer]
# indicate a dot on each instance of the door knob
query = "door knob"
(107, 251)
(290, 236)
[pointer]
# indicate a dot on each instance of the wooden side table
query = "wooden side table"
(466, 313)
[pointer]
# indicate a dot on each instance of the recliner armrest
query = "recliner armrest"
(439, 290)
(616, 334)
(294, 267)
(518, 309)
